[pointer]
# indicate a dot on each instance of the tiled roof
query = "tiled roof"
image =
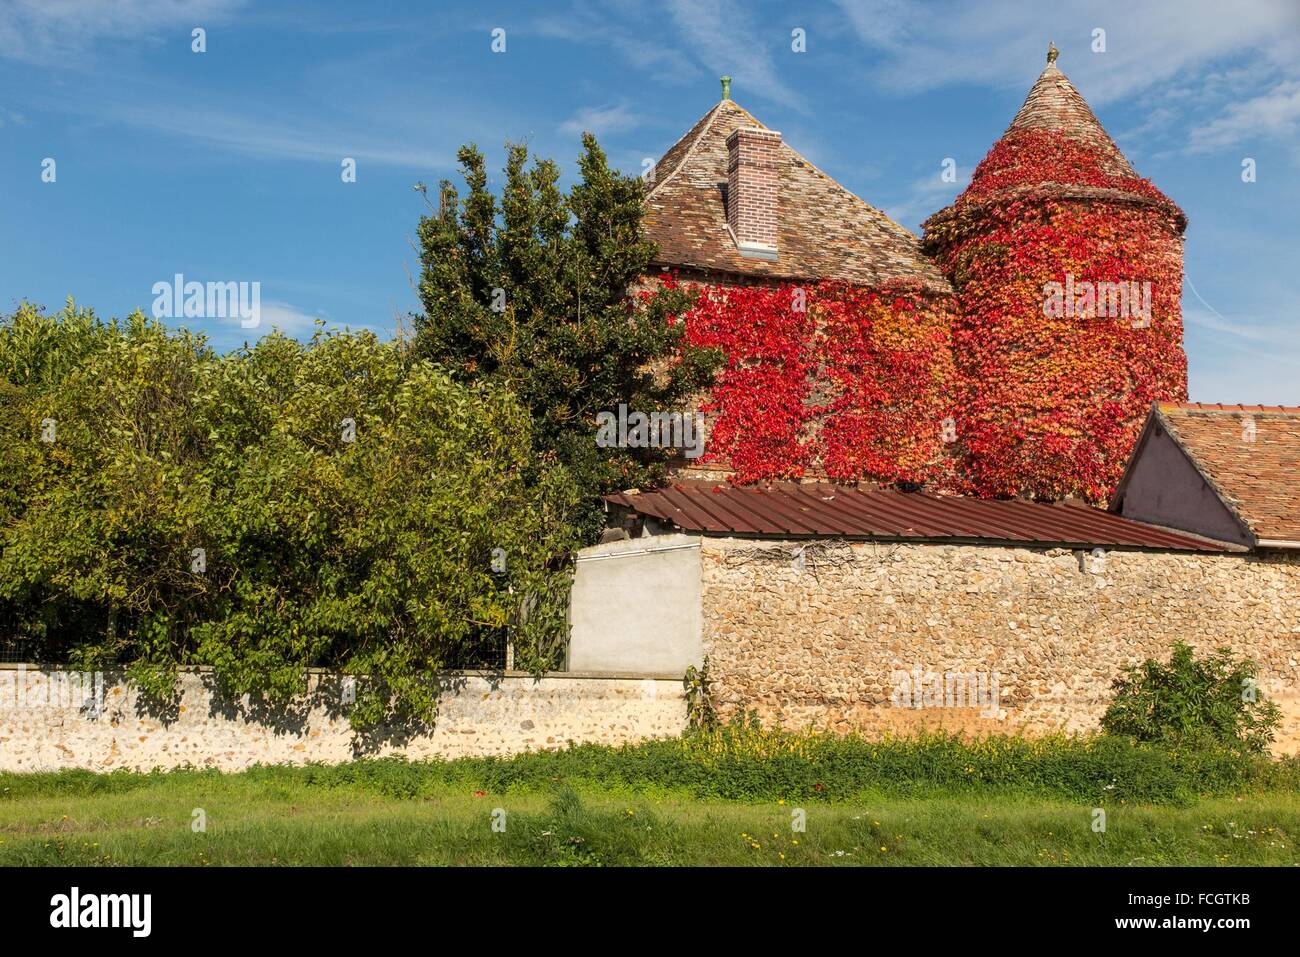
(1054, 105)
(805, 510)
(1257, 479)
(1230, 407)
(825, 231)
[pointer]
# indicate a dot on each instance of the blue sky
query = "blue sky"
(225, 165)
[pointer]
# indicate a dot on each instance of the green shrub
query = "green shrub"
(528, 288)
(333, 504)
(701, 713)
(1190, 700)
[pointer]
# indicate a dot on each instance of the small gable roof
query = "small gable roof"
(1248, 454)
(825, 231)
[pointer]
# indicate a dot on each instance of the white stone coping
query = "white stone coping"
(466, 672)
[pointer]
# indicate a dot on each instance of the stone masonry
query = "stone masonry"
(50, 727)
(828, 640)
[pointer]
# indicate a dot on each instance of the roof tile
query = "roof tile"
(1254, 466)
(825, 230)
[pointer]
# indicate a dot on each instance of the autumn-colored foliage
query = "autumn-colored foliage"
(1004, 391)
(1040, 157)
(830, 378)
(1051, 400)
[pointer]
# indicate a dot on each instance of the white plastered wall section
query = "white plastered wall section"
(635, 606)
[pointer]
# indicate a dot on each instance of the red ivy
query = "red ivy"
(760, 401)
(1035, 157)
(1050, 405)
(858, 383)
(829, 378)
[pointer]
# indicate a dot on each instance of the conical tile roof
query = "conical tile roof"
(1054, 104)
(1055, 147)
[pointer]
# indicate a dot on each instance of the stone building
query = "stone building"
(1026, 391)
(881, 604)
(841, 607)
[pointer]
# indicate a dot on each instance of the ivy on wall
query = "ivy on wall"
(831, 378)
(1008, 388)
(1053, 389)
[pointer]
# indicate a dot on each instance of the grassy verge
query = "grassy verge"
(250, 822)
(732, 798)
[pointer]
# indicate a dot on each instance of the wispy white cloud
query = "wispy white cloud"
(1249, 362)
(1245, 332)
(593, 24)
(929, 44)
(716, 38)
(925, 196)
(1182, 57)
(602, 120)
(1249, 359)
(345, 106)
(299, 323)
(284, 137)
(723, 36)
(289, 319)
(1273, 114)
(44, 30)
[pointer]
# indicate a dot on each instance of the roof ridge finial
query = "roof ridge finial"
(726, 87)
(1052, 53)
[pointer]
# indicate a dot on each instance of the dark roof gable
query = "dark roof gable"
(1249, 455)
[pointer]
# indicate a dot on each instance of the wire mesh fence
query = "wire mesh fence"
(15, 651)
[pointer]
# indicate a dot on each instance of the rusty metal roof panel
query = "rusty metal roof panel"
(819, 509)
(839, 512)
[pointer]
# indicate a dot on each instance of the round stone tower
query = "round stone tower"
(1068, 271)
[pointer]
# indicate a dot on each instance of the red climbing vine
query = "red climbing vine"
(760, 403)
(1069, 322)
(831, 378)
(1034, 379)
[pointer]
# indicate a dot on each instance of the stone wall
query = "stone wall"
(51, 720)
(827, 641)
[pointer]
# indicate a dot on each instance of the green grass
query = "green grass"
(726, 799)
(258, 821)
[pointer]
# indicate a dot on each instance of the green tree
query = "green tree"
(538, 292)
(335, 504)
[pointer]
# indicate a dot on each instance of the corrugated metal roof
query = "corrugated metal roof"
(788, 509)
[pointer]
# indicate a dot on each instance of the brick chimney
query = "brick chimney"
(754, 190)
